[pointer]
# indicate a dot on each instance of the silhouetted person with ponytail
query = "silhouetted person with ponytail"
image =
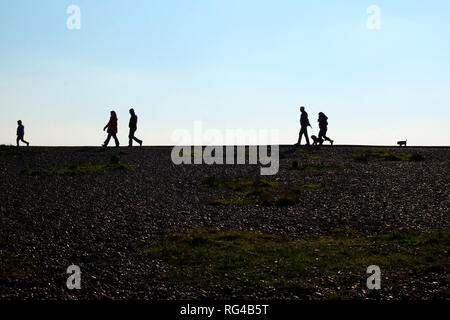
(133, 127)
(20, 133)
(112, 129)
(323, 125)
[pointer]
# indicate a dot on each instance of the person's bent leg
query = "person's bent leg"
(324, 135)
(105, 144)
(137, 140)
(321, 136)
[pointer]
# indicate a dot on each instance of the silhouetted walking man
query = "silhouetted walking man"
(323, 123)
(304, 124)
(133, 127)
(112, 129)
(20, 133)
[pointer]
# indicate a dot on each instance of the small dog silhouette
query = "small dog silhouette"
(401, 143)
(316, 140)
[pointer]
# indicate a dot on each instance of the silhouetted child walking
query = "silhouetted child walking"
(112, 129)
(20, 133)
(323, 125)
(133, 127)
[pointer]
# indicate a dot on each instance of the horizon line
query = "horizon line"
(227, 145)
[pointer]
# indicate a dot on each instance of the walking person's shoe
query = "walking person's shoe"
(140, 143)
(331, 142)
(28, 144)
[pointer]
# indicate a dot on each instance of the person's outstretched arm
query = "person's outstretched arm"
(107, 125)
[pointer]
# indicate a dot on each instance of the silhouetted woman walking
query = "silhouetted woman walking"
(112, 129)
(323, 124)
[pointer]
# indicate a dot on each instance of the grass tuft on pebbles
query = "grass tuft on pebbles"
(9, 150)
(75, 169)
(238, 261)
(254, 190)
(384, 155)
(315, 167)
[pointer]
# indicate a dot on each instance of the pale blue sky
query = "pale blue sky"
(231, 63)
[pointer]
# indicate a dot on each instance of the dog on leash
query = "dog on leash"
(316, 140)
(402, 143)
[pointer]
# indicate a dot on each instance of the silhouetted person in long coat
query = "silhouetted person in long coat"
(20, 133)
(323, 125)
(133, 127)
(304, 124)
(112, 129)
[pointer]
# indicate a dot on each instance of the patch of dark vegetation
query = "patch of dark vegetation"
(229, 202)
(315, 167)
(75, 169)
(192, 152)
(210, 181)
(114, 159)
(344, 232)
(13, 268)
(307, 153)
(291, 195)
(84, 149)
(307, 149)
(257, 191)
(99, 149)
(247, 184)
(416, 157)
(287, 198)
(384, 155)
(233, 261)
(376, 155)
(243, 153)
(12, 150)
